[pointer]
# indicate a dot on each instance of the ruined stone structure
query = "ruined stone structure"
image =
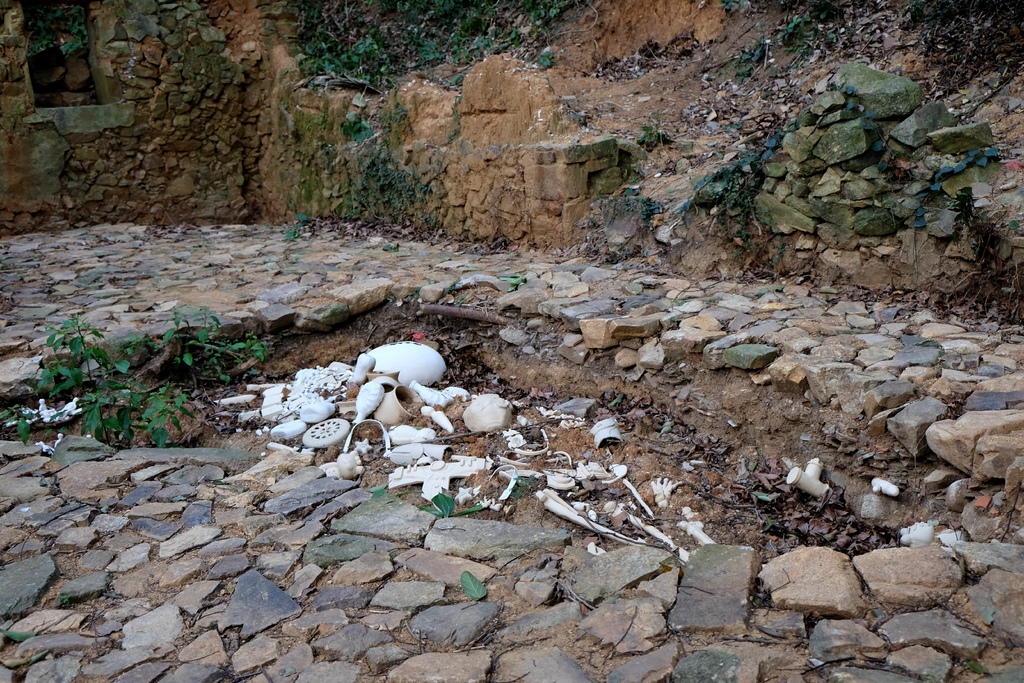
(174, 135)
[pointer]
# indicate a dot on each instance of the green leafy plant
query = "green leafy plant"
(734, 5)
(474, 588)
(206, 353)
(442, 506)
(356, 128)
(545, 60)
(115, 407)
(653, 136)
(60, 26)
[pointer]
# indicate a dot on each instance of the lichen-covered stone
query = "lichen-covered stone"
(887, 95)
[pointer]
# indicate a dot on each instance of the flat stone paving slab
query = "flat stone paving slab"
(714, 593)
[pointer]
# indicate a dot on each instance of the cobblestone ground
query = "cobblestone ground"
(206, 564)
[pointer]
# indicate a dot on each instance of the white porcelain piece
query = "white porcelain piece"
(696, 530)
(488, 413)
(879, 485)
(456, 393)
(918, 535)
(662, 489)
(364, 364)
(432, 397)
(370, 396)
(411, 453)
(606, 432)
(404, 434)
(411, 360)
(287, 431)
(809, 479)
(316, 412)
(326, 433)
(349, 466)
(554, 504)
(436, 477)
(439, 418)
(394, 407)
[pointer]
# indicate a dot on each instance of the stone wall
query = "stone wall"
(176, 133)
(865, 184)
(499, 162)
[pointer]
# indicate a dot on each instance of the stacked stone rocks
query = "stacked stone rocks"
(836, 176)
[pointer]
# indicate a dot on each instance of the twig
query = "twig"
(464, 312)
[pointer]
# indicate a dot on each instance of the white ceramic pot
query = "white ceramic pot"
(488, 413)
(411, 361)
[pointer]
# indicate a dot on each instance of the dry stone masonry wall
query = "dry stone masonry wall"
(865, 183)
(499, 162)
(174, 134)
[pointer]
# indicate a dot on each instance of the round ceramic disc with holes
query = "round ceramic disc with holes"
(326, 433)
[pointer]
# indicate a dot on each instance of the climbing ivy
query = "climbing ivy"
(60, 26)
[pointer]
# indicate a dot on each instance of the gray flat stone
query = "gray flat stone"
(543, 665)
(341, 597)
(602, 576)
(145, 673)
(853, 675)
(232, 460)
(331, 550)
(85, 588)
(980, 557)
(162, 625)
(457, 625)
(23, 583)
(387, 517)
(351, 643)
(335, 672)
(188, 539)
(408, 596)
(834, 639)
(309, 494)
(60, 670)
(654, 666)
(934, 628)
(910, 424)
(438, 667)
(80, 449)
(257, 604)
(562, 613)
(707, 666)
(627, 625)
(196, 673)
(714, 592)
(482, 539)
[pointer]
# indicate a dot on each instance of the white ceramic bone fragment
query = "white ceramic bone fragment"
(594, 550)
(412, 361)
(636, 494)
(411, 453)
(436, 477)
(275, 446)
(561, 481)
(559, 507)
(533, 452)
(879, 485)
(432, 397)
(364, 364)
(236, 400)
(918, 535)
(370, 396)
(488, 413)
(439, 418)
(316, 412)
(696, 530)
(404, 434)
(456, 393)
(662, 489)
(651, 531)
(606, 432)
(289, 430)
(809, 479)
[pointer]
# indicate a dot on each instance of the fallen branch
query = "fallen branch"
(463, 312)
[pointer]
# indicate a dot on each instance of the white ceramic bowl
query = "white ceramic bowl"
(411, 361)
